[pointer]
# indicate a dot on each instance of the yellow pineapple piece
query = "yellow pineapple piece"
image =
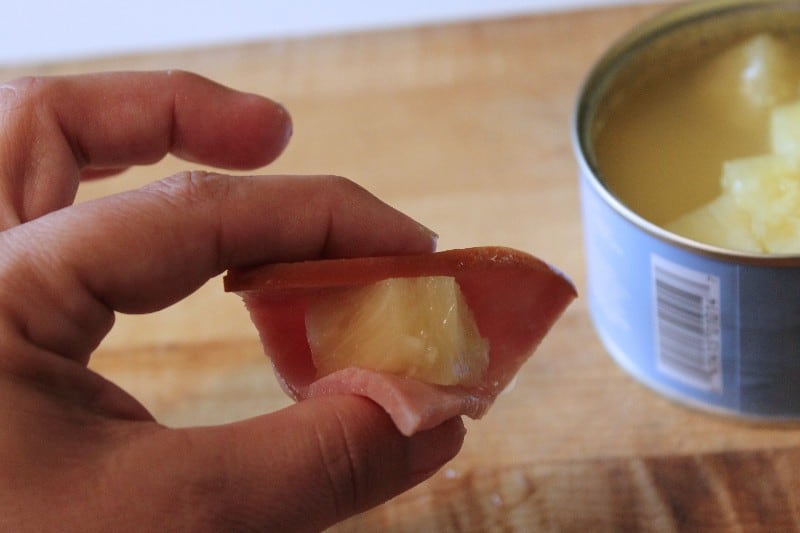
(768, 189)
(758, 210)
(720, 223)
(763, 70)
(785, 130)
(417, 327)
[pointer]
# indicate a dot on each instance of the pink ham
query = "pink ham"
(514, 297)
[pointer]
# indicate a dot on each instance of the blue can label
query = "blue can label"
(704, 329)
(686, 315)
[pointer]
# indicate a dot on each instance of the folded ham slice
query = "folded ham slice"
(514, 297)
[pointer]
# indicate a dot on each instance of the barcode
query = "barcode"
(687, 325)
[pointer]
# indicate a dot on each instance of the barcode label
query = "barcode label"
(687, 324)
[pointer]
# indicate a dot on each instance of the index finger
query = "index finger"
(63, 276)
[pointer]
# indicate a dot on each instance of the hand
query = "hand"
(77, 452)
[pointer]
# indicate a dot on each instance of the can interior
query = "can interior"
(678, 37)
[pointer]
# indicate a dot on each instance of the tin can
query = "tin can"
(710, 327)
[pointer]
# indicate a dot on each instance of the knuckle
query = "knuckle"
(192, 187)
(180, 75)
(340, 185)
(341, 471)
(352, 457)
(22, 93)
(202, 498)
(336, 192)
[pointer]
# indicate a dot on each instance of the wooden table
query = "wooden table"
(465, 127)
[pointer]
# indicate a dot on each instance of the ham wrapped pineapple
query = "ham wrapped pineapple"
(428, 337)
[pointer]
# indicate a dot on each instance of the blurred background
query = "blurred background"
(52, 30)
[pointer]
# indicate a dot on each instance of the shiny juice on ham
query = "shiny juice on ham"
(511, 297)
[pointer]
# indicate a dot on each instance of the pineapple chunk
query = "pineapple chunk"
(767, 188)
(763, 70)
(758, 210)
(417, 327)
(785, 130)
(720, 223)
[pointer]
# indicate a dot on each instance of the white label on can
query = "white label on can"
(686, 317)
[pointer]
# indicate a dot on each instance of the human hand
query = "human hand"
(77, 452)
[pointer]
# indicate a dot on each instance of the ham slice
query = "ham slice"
(514, 297)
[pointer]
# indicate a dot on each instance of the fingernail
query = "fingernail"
(434, 240)
(432, 236)
(288, 124)
(430, 450)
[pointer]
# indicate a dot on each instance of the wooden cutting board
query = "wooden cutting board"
(465, 127)
(725, 491)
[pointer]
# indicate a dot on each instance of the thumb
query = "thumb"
(310, 465)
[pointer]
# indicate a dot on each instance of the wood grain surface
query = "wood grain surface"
(465, 127)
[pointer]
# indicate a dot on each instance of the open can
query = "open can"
(710, 327)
